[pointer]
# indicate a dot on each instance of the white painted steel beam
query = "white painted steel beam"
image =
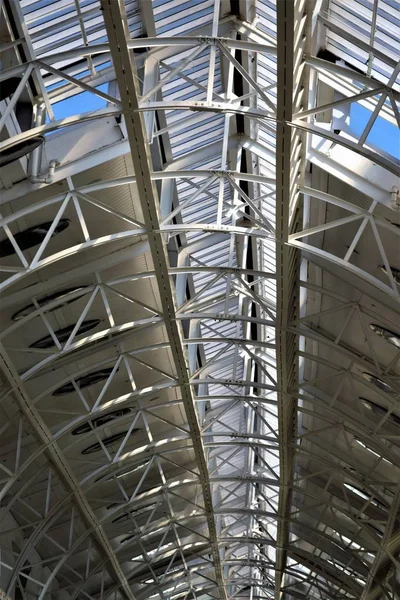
(124, 68)
(219, 315)
(60, 465)
(286, 15)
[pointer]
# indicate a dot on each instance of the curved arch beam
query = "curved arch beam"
(94, 337)
(106, 239)
(148, 42)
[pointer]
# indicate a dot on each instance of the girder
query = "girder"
(117, 30)
(69, 481)
(235, 236)
(289, 20)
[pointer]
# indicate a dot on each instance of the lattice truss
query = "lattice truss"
(200, 276)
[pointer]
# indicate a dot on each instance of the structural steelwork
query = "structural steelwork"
(200, 297)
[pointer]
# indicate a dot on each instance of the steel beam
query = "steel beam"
(289, 16)
(66, 474)
(118, 33)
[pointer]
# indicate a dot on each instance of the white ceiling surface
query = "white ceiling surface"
(137, 517)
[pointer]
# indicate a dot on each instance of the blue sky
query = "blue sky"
(383, 134)
(85, 102)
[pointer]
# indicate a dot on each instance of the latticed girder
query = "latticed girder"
(172, 315)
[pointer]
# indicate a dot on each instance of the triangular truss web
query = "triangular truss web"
(200, 279)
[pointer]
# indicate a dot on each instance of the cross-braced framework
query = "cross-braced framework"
(200, 281)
